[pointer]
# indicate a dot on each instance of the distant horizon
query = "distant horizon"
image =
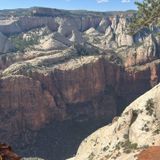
(68, 9)
(88, 5)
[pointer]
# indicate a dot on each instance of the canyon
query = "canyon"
(64, 74)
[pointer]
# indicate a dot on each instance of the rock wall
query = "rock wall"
(31, 100)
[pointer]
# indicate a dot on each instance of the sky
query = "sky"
(95, 5)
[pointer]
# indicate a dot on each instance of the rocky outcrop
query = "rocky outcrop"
(53, 42)
(27, 23)
(5, 44)
(136, 129)
(19, 96)
(103, 25)
(76, 37)
(146, 52)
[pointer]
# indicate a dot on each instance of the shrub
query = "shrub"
(21, 44)
(126, 136)
(129, 146)
(157, 131)
(149, 106)
(105, 148)
(91, 156)
(81, 49)
(134, 116)
(145, 128)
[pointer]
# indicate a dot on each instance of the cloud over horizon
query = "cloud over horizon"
(102, 1)
(105, 1)
(125, 1)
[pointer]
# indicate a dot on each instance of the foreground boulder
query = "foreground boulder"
(151, 153)
(6, 153)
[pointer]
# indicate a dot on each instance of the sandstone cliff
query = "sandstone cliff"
(57, 93)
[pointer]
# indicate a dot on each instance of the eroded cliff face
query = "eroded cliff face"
(59, 66)
(92, 88)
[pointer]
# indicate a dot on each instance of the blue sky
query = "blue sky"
(97, 5)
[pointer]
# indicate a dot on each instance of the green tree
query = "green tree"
(148, 14)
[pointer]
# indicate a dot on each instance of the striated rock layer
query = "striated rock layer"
(92, 88)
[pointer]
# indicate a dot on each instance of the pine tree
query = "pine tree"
(148, 14)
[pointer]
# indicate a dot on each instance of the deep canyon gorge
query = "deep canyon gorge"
(64, 74)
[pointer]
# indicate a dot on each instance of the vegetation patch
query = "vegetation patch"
(157, 131)
(129, 146)
(149, 106)
(134, 116)
(81, 50)
(116, 156)
(145, 128)
(126, 136)
(126, 145)
(91, 156)
(21, 44)
(105, 148)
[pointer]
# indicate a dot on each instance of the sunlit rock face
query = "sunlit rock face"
(135, 134)
(58, 66)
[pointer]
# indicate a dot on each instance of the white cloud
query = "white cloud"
(102, 1)
(125, 1)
